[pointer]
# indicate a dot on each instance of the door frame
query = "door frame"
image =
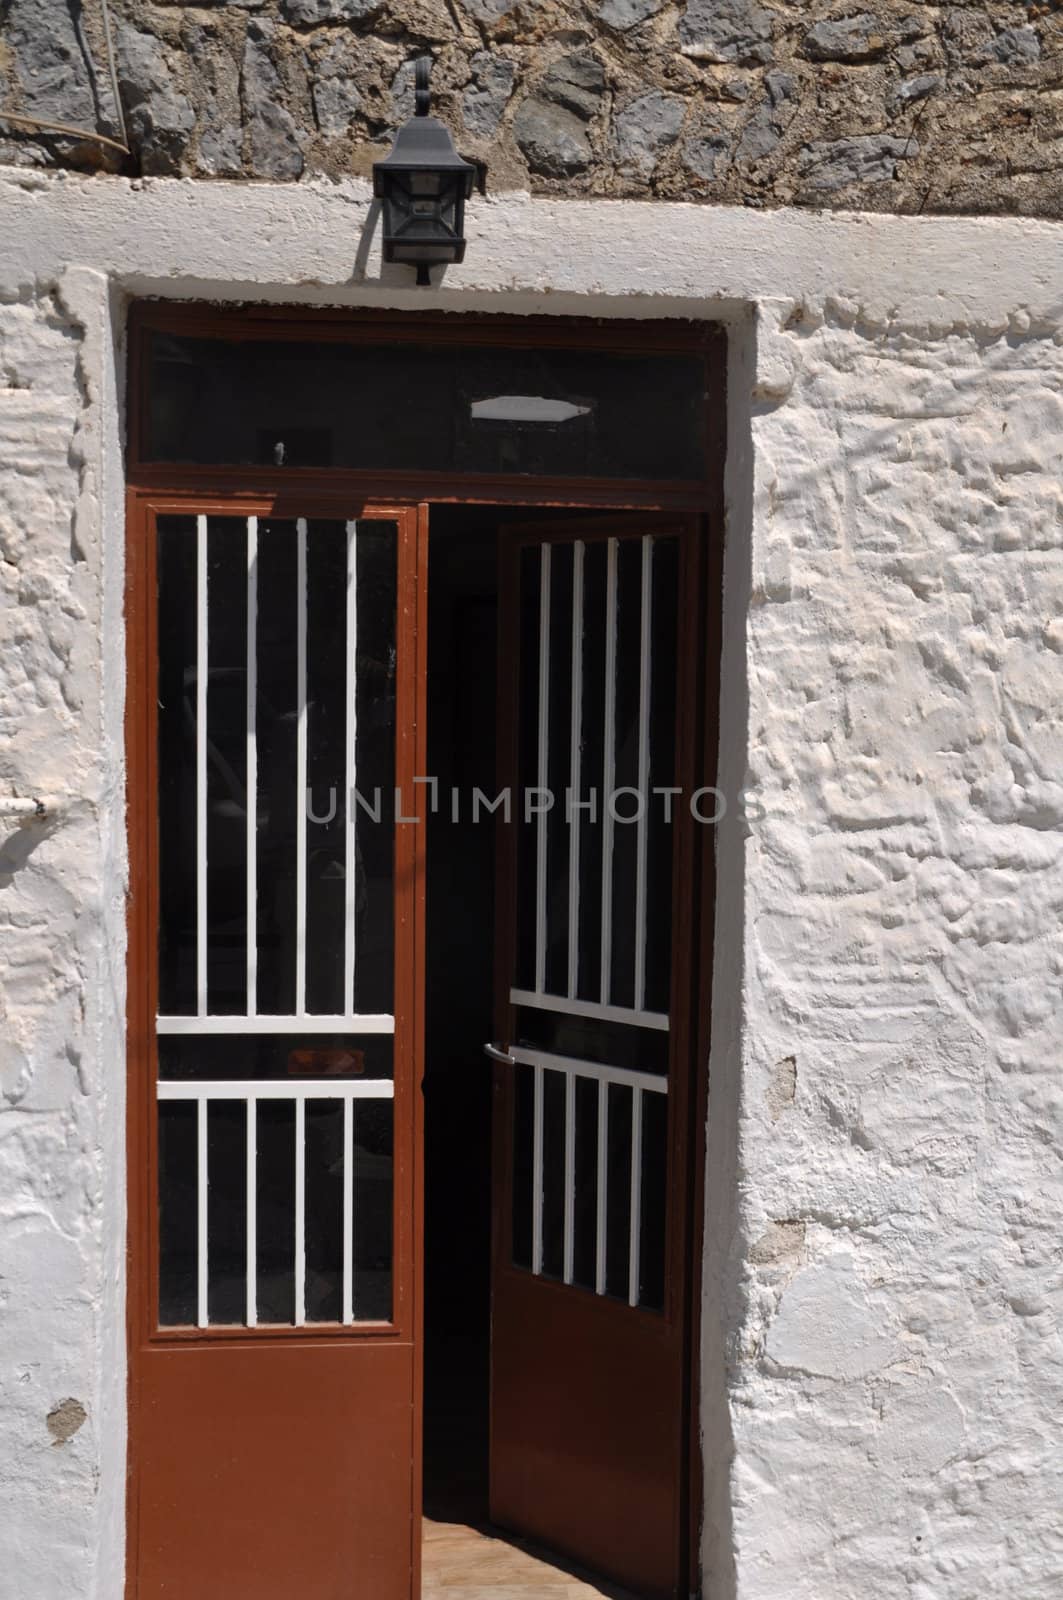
(339, 492)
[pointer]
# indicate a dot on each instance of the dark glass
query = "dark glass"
(659, 831)
(374, 1135)
(652, 1241)
(414, 406)
(275, 1206)
(553, 1174)
(626, 770)
(176, 556)
(592, 730)
(266, 1055)
(527, 764)
(376, 576)
(523, 1163)
(227, 1211)
(177, 1214)
(559, 775)
(618, 1198)
(324, 1210)
(585, 1216)
(326, 740)
(613, 1044)
(277, 704)
(226, 764)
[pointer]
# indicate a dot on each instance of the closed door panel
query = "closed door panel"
(274, 685)
(589, 1323)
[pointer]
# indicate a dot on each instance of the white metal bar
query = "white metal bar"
(252, 765)
(543, 766)
(590, 1008)
(300, 774)
(201, 764)
(202, 1313)
(252, 1211)
(575, 765)
(649, 1081)
(348, 1210)
(609, 779)
(368, 1022)
(350, 775)
(602, 1198)
(300, 1212)
(570, 1174)
(537, 1174)
(276, 1089)
(645, 683)
(635, 1236)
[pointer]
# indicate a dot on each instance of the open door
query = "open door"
(275, 936)
(593, 1073)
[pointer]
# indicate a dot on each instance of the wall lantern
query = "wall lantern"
(424, 185)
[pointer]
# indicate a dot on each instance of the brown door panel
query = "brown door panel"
(586, 1431)
(302, 1476)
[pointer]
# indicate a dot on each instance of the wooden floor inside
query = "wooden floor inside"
(478, 1563)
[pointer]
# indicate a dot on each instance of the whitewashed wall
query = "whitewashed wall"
(896, 1359)
(883, 1372)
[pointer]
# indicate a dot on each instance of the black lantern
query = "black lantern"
(424, 184)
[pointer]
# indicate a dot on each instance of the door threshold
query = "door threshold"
(474, 1561)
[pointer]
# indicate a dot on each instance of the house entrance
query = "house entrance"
(415, 959)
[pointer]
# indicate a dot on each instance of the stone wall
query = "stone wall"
(907, 107)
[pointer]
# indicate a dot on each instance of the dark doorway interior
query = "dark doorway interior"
(462, 649)
(462, 683)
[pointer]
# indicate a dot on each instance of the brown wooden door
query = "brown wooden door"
(593, 1083)
(274, 673)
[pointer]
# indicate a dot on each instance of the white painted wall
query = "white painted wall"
(885, 1207)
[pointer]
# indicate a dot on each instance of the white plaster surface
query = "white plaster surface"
(883, 1365)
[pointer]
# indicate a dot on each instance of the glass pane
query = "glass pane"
(448, 408)
(227, 1211)
(272, 599)
(659, 829)
(523, 1129)
(618, 1205)
(592, 728)
(585, 1234)
(374, 766)
(326, 737)
(527, 765)
(276, 727)
(559, 702)
(626, 770)
(294, 622)
(324, 1211)
(611, 1044)
(275, 1211)
(372, 1177)
(553, 1174)
(177, 1215)
(177, 763)
(271, 1056)
(654, 1200)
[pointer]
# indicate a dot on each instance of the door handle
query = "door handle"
(496, 1053)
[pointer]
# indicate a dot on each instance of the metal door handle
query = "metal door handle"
(496, 1053)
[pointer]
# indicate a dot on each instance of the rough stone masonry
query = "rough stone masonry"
(908, 107)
